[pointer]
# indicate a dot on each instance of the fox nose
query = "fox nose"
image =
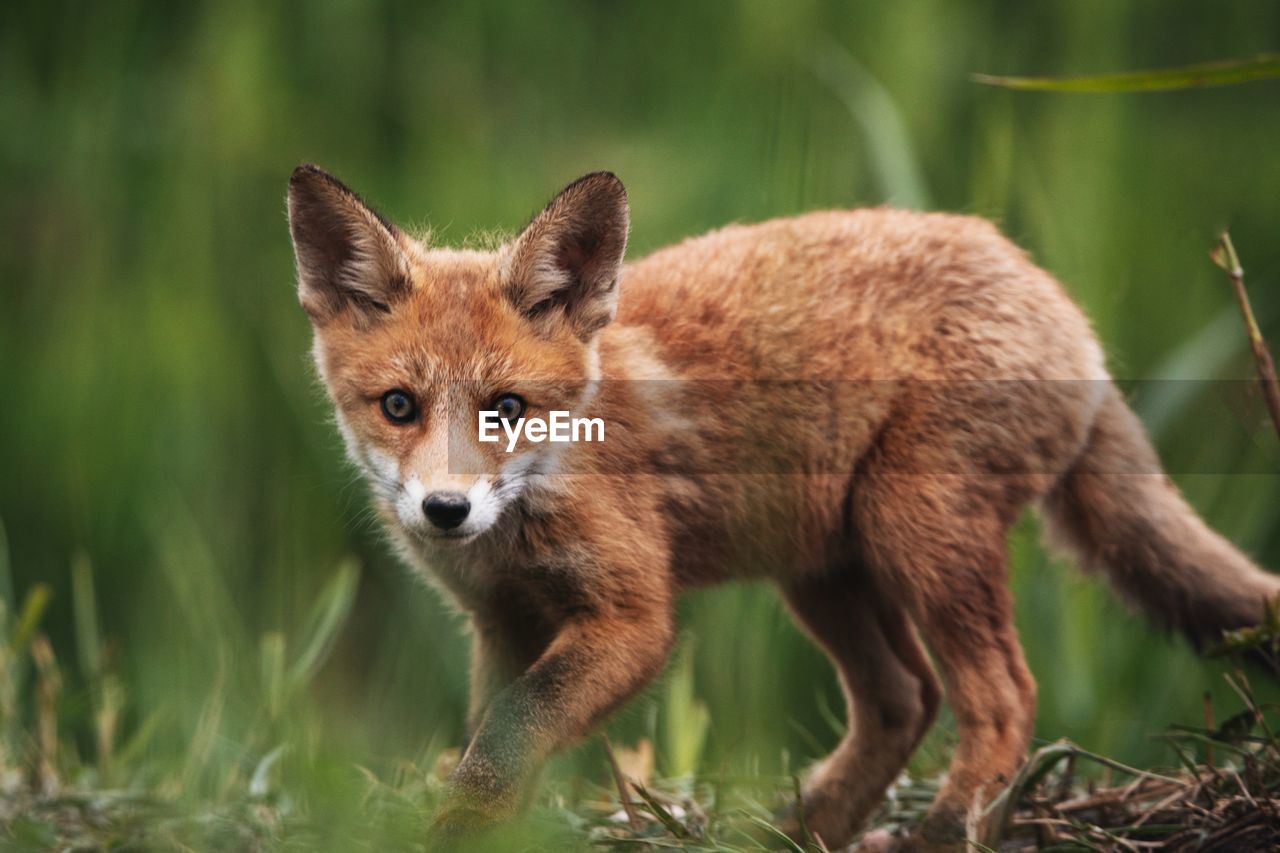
(446, 510)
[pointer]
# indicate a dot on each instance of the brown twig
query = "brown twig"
(1224, 255)
(811, 841)
(1209, 726)
(624, 795)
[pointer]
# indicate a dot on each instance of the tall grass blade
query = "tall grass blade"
(272, 655)
(188, 560)
(131, 750)
(784, 841)
(208, 726)
(6, 573)
(88, 640)
(327, 617)
(1223, 73)
(260, 784)
(1166, 401)
(686, 720)
(893, 157)
(105, 690)
(33, 607)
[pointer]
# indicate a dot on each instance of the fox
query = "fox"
(853, 406)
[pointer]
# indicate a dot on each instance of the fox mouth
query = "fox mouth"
(450, 536)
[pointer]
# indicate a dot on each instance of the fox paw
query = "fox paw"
(458, 826)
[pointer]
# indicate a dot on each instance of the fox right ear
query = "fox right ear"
(564, 266)
(348, 257)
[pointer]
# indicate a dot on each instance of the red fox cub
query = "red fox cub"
(852, 405)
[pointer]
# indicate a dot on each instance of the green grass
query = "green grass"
(262, 772)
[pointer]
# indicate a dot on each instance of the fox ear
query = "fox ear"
(348, 257)
(564, 266)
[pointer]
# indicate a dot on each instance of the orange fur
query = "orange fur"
(854, 405)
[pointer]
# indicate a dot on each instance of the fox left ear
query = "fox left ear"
(564, 266)
(350, 260)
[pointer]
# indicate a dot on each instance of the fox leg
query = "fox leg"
(595, 662)
(939, 540)
(890, 692)
(497, 659)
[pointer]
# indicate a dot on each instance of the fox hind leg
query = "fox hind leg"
(939, 541)
(890, 692)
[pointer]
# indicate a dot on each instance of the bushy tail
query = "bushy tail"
(1120, 513)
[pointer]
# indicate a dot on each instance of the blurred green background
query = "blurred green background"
(163, 431)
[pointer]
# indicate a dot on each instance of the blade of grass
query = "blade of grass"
(675, 827)
(1209, 724)
(132, 749)
(260, 784)
(1202, 740)
(1240, 684)
(272, 654)
(6, 571)
(200, 589)
(88, 640)
(837, 726)
(774, 832)
(1221, 73)
(33, 607)
(208, 726)
(1036, 768)
(686, 720)
(894, 161)
(105, 690)
(329, 614)
(1001, 809)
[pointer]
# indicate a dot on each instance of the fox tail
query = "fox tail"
(1120, 513)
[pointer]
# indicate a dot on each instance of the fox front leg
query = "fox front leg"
(499, 654)
(594, 665)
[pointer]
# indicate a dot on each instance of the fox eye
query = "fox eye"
(509, 407)
(398, 406)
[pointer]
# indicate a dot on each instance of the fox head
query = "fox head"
(412, 341)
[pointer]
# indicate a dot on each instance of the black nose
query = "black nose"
(446, 510)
